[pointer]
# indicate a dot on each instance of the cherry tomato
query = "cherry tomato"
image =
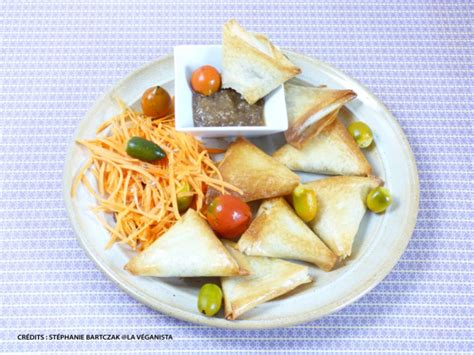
(156, 102)
(379, 199)
(206, 80)
(209, 299)
(229, 216)
(362, 133)
(305, 203)
(183, 197)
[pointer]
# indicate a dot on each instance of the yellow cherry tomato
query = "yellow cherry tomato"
(361, 133)
(379, 199)
(209, 299)
(184, 197)
(305, 203)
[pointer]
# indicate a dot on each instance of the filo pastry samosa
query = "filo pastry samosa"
(268, 279)
(310, 109)
(332, 152)
(251, 64)
(278, 232)
(257, 174)
(188, 249)
(341, 207)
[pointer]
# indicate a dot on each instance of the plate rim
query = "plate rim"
(358, 292)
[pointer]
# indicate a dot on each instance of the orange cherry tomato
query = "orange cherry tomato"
(206, 80)
(229, 216)
(156, 102)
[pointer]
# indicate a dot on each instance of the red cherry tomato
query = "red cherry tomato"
(206, 80)
(156, 102)
(229, 216)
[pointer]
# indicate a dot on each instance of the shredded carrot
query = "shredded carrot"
(142, 196)
(215, 150)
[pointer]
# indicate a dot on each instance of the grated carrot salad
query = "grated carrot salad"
(142, 196)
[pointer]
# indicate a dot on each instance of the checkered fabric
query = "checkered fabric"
(58, 57)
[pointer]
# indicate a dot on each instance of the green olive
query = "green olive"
(305, 203)
(209, 299)
(379, 199)
(144, 150)
(183, 197)
(361, 133)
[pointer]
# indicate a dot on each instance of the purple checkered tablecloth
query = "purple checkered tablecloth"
(58, 57)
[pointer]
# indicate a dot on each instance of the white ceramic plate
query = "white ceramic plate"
(379, 244)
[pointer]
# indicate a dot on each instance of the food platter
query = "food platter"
(380, 241)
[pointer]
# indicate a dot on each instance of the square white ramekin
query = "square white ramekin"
(189, 58)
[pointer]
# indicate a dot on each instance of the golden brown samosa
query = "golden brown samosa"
(310, 109)
(268, 279)
(188, 249)
(278, 232)
(256, 173)
(331, 152)
(252, 65)
(341, 207)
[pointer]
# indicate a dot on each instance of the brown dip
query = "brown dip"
(226, 108)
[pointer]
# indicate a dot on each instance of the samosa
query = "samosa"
(341, 207)
(310, 109)
(257, 174)
(252, 65)
(278, 232)
(188, 249)
(331, 152)
(268, 279)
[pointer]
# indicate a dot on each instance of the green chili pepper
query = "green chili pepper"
(144, 150)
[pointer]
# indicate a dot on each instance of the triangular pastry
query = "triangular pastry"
(310, 109)
(187, 249)
(257, 174)
(268, 279)
(332, 152)
(278, 232)
(341, 206)
(252, 65)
